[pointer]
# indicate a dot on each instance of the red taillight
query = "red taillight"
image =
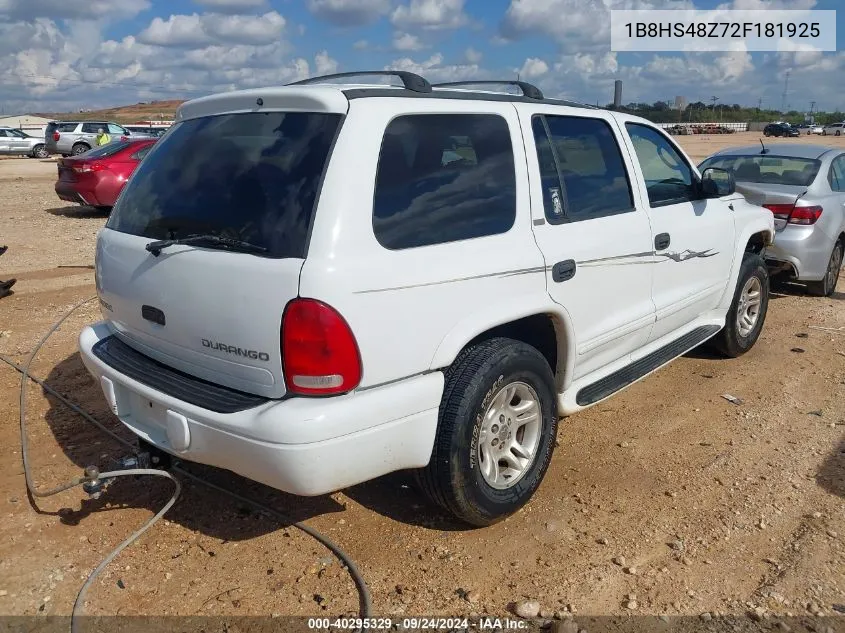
(86, 167)
(56, 136)
(795, 215)
(319, 352)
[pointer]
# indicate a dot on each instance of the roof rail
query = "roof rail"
(528, 90)
(411, 81)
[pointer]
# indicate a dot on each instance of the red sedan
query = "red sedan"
(96, 177)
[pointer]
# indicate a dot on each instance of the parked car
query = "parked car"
(97, 177)
(14, 141)
(834, 129)
(156, 131)
(814, 128)
(780, 129)
(69, 138)
(804, 188)
(436, 313)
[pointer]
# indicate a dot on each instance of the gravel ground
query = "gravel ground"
(666, 499)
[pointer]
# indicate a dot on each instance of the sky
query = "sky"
(63, 55)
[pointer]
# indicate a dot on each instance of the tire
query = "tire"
(733, 341)
(40, 151)
(827, 286)
(838, 133)
(481, 374)
(79, 148)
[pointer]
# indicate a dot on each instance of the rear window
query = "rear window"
(107, 150)
(443, 178)
(767, 169)
(253, 177)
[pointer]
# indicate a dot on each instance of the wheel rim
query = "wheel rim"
(79, 149)
(833, 268)
(748, 310)
(41, 152)
(510, 435)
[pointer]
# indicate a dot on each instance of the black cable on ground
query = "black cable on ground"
(365, 600)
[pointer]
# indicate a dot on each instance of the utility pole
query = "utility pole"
(714, 100)
(785, 91)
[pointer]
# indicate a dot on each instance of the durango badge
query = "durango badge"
(234, 349)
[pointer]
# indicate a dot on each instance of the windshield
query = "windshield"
(252, 177)
(767, 169)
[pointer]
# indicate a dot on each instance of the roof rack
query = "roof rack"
(528, 90)
(411, 81)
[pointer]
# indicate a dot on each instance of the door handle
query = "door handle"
(563, 271)
(661, 241)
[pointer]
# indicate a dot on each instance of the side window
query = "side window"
(4, 134)
(91, 128)
(837, 173)
(668, 177)
(115, 129)
(443, 178)
(66, 127)
(581, 167)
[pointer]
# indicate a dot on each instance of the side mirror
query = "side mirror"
(716, 182)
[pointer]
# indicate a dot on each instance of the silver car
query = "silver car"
(834, 129)
(804, 187)
(70, 138)
(14, 141)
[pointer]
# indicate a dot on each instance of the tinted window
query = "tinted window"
(443, 178)
(92, 128)
(115, 129)
(837, 174)
(253, 177)
(668, 177)
(775, 170)
(66, 127)
(106, 150)
(5, 133)
(582, 154)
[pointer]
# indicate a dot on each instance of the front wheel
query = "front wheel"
(747, 313)
(838, 133)
(39, 151)
(496, 432)
(79, 148)
(827, 286)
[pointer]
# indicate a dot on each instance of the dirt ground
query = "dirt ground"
(715, 507)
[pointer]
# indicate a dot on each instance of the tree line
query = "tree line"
(664, 112)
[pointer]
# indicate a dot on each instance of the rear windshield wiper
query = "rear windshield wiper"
(208, 240)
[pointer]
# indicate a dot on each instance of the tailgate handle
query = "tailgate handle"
(563, 271)
(152, 314)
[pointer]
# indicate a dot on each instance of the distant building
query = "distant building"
(34, 125)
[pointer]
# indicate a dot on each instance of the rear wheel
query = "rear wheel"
(496, 432)
(747, 313)
(827, 286)
(80, 148)
(838, 133)
(40, 151)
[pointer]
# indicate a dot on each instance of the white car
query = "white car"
(834, 129)
(17, 142)
(317, 284)
(815, 129)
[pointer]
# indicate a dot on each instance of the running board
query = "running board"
(630, 374)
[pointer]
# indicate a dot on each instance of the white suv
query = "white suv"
(317, 284)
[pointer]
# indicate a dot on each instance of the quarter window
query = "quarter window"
(582, 170)
(444, 178)
(668, 177)
(837, 173)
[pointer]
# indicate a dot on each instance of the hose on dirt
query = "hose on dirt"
(365, 599)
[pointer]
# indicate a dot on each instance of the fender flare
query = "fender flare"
(489, 317)
(755, 226)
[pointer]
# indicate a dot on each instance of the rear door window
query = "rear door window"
(581, 167)
(91, 128)
(252, 177)
(66, 127)
(444, 178)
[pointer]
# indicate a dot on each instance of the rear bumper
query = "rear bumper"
(72, 192)
(304, 446)
(806, 249)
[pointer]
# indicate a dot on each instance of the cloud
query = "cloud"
(435, 70)
(349, 12)
(407, 42)
(27, 10)
(533, 67)
(324, 64)
(430, 14)
(232, 6)
(472, 56)
(361, 45)
(197, 30)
